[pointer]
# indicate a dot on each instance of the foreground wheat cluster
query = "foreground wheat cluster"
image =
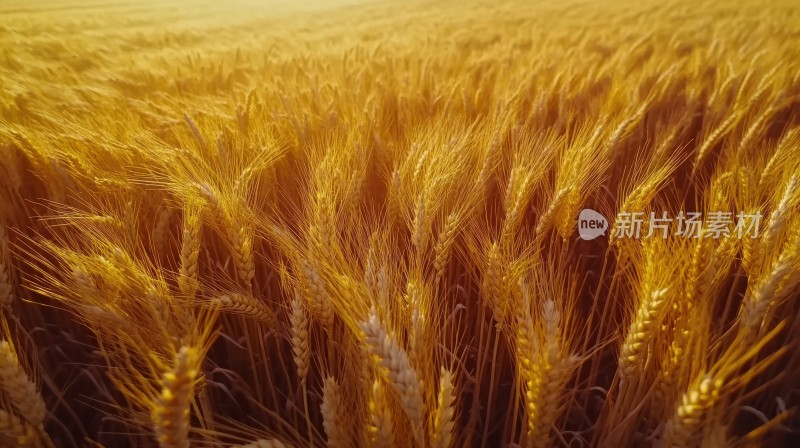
(356, 225)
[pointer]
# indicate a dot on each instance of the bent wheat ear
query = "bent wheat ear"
(546, 218)
(623, 129)
(245, 306)
(715, 137)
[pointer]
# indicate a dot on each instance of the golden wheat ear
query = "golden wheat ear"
(22, 391)
(333, 412)
(16, 432)
(381, 430)
(190, 249)
(172, 409)
(394, 364)
(245, 305)
(444, 415)
(301, 351)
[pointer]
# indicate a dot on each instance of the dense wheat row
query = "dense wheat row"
(273, 225)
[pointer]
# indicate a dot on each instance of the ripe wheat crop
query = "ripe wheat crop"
(466, 223)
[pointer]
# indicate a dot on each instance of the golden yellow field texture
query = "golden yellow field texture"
(380, 224)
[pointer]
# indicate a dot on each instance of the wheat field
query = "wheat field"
(367, 223)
